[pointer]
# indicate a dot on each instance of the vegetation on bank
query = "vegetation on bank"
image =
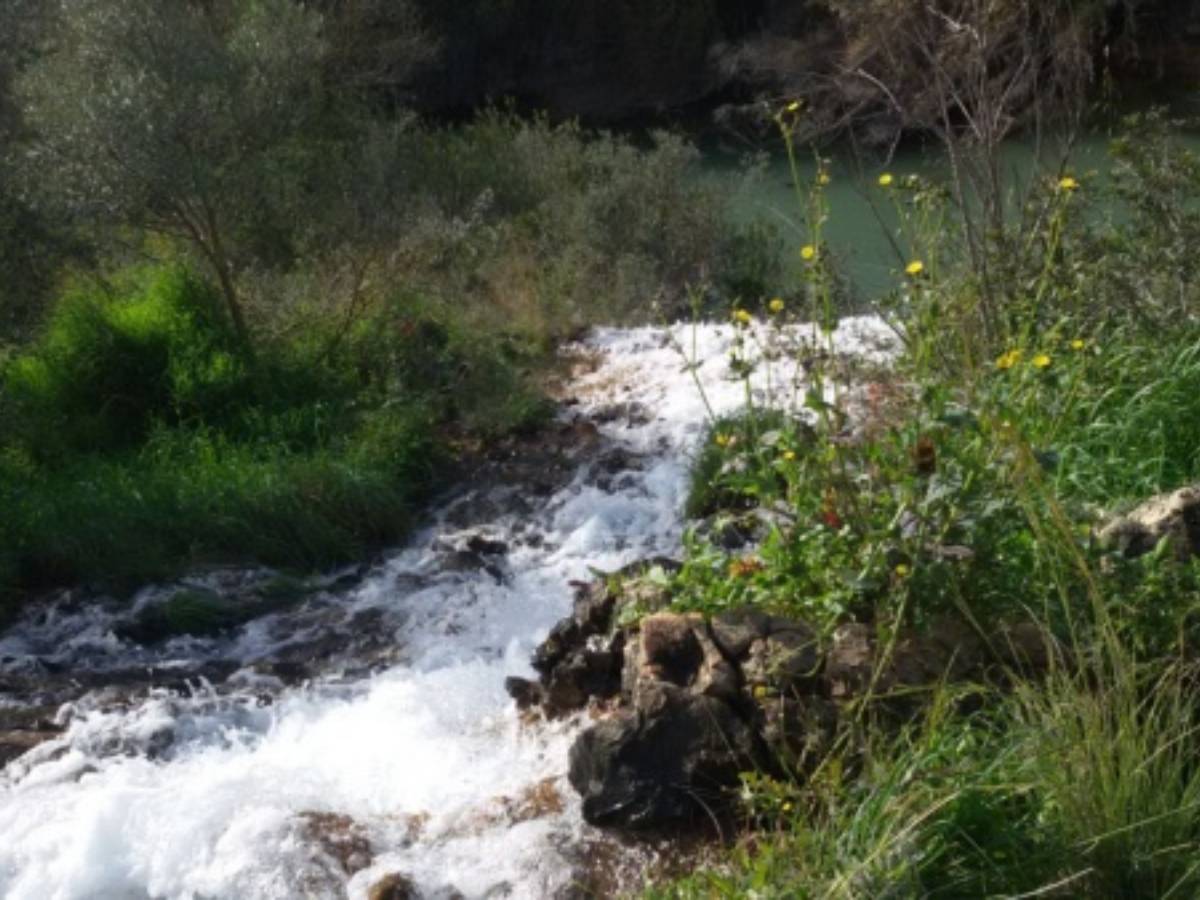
(1039, 390)
(248, 315)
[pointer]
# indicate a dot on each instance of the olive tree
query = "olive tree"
(200, 121)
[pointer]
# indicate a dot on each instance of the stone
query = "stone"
(734, 631)
(526, 693)
(799, 732)
(1174, 515)
(672, 759)
(393, 886)
(849, 665)
(786, 660)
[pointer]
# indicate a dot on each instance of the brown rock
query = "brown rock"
(393, 886)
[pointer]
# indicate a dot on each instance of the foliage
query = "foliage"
(969, 482)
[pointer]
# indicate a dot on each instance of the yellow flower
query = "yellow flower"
(721, 439)
(1041, 361)
(1068, 184)
(808, 253)
(1078, 344)
(885, 180)
(787, 807)
(789, 455)
(760, 691)
(1008, 360)
(902, 571)
(824, 179)
(914, 268)
(793, 107)
(776, 305)
(741, 317)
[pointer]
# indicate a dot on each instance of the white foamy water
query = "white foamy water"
(418, 763)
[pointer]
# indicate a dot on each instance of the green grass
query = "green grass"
(1007, 434)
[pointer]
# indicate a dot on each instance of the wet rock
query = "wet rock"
(14, 744)
(393, 886)
(340, 837)
(671, 759)
(736, 630)
(527, 694)
(486, 546)
(1174, 516)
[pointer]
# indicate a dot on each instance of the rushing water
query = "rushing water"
(399, 751)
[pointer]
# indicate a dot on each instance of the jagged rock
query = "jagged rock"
(670, 759)
(393, 886)
(526, 693)
(17, 743)
(1174, 515)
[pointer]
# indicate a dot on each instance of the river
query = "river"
(365, 731)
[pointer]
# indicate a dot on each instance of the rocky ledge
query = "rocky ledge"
(682, 704)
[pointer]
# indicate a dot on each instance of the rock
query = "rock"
(393, 886)
(799, 733)
(486, 546)
(849, 665)
(671, 759)
(526, 693)
(343, 839)
(1174, 515)
(786, 661)
(14, 744)
(736, 630)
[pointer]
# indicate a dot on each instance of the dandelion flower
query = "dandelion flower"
(824, 179)
(1008, 360)
(1041, 361)
(721, 439)
(1078, 344)
(808, 253)
(776, 305)
(885, 180)
(789, 455)
(914, 268)
(1068, 184)
(760, 691)
(741, 317)
(901, 571)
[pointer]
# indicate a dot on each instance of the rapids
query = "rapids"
(195, 769)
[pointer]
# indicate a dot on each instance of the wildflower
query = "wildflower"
(1008, 360)
(793, 107)
(787, 807)
(745, 567)
(760, 691)
(1078, 344)
(741, 317)
(901, 571)
(823, 179)
(914, 268)
(1041, 361)
(1068, 184)
(789, 455)
(776, 305)
(721, 439)
(885, 180)
(808, 253)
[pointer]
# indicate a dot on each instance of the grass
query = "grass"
(972, 486)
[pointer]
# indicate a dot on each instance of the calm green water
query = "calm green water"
(862, 214)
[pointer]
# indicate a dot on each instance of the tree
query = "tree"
(200, 121)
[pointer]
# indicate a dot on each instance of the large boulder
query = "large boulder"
(671, 758)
